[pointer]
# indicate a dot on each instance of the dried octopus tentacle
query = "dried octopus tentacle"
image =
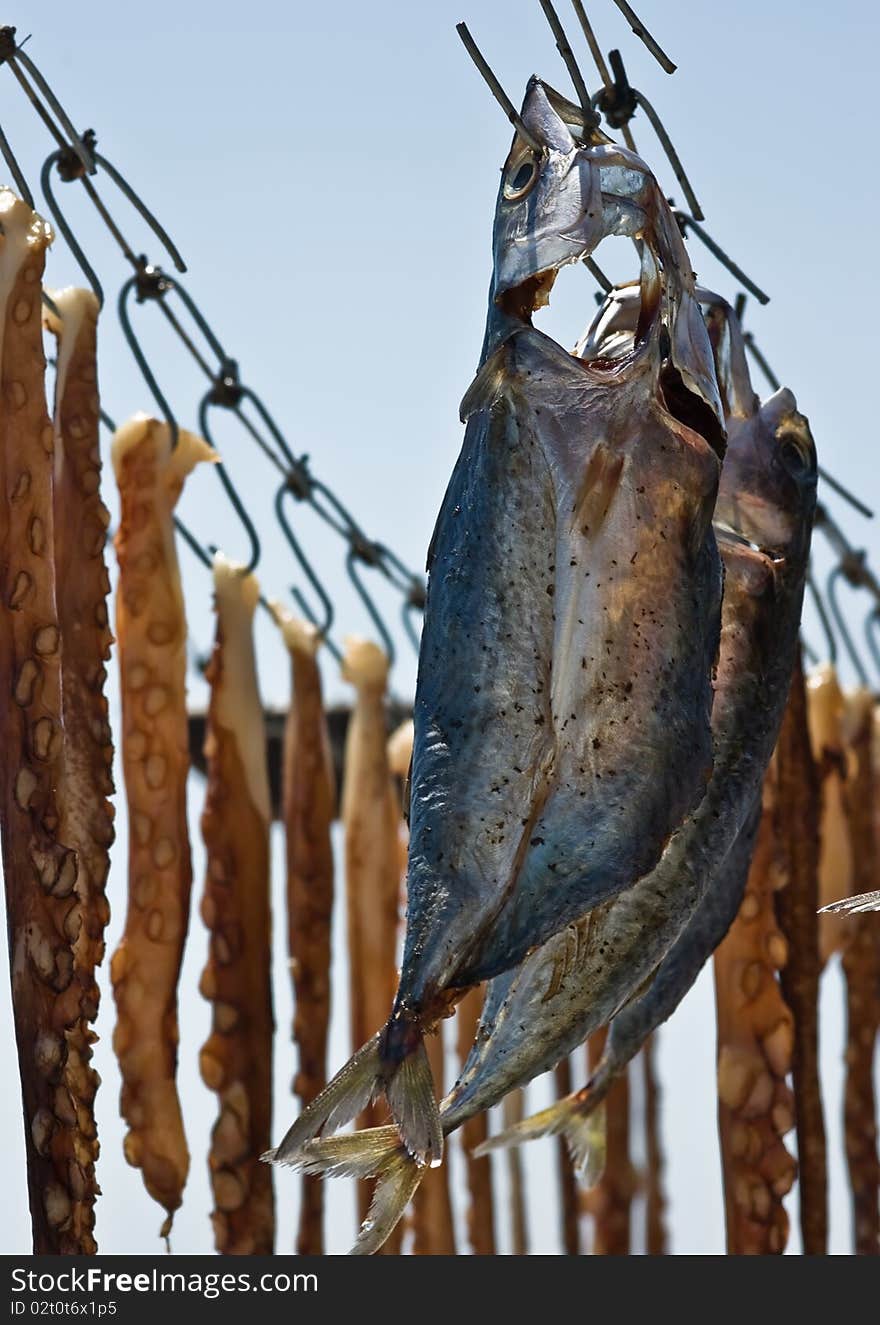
(796, 907)
(825, 710)
(861, 965)
(82, 585)
(52, 1003)
(151, 630)
(755, 1049)
(370, 819)
(309, 800)
(569, 1197)
(655, 1200)
(236, 1060)
(610, 1200)
(480, 1212)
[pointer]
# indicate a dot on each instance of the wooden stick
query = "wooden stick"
(655, 1200)
(309, 798)
(825, 712)
(610, 1200)
(53, 1000)
(151, 630)
(569, 1203)
(755, 1050)
(513, 1111)
(480, 1214)
(861, 965)
(236, 1060)
(796, 905)
(370, 817)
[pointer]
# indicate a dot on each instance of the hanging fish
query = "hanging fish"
(562, 711)
(763, 520)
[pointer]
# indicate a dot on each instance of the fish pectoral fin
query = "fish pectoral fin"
(597, 490)
(486, 387)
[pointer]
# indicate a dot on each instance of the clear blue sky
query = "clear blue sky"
(329, 174)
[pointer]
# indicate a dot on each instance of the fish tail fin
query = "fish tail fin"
(853, 905)
(580, 1118)
(413, 1104)
(353, 1088)
(377, 1152)
(394, 1061)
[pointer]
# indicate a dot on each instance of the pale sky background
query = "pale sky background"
(329, 174)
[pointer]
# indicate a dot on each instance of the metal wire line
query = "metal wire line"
(76, 159)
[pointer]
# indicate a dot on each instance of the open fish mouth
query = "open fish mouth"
(683, 404)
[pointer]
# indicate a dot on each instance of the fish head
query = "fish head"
(767, 493)
(550, 209)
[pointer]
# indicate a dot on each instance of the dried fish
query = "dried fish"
(236, 1059)
(658, 935)
(151, 630)
(527, 805)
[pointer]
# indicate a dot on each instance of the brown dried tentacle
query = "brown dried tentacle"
(151, 631)
(309, 799)
(755, 1050)
(797, 819)
(655, 1201)
(370, 817)
(569, 1197)
(480, 1212)
(236, 1060)
(861, 965)
(610, 1200)
(52, 1003)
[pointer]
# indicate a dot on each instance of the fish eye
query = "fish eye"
(797, 455)
(520, 178)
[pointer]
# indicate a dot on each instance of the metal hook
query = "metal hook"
(836, 575)
(644, 35)
(326, 620)
(229, 487)
(774, 383)
(148, 285)
(591, 119)
(684, 220)
(70, 168)
(830, 641)
(872, 621)
(353, 555)
(496, 89)
(15, 171)
(11, 54)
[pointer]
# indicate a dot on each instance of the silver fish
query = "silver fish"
(620, 962)
(562, 711)
(764, 521)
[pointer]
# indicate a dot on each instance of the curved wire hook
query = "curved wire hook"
(229, 487)
(872, 622)
(831, 593)
(351, 558)
(70, 168)
(830, 641)
(136, 283)
(327, 609)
